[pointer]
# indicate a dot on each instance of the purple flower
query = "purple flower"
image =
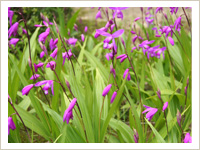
(96, 35)
(86, 28)
(159, 9)
(106, 90)
(112, 70)
(188, 138)
(136, 19)
(8, 96)
(72, 41)
(39, 65)
(75, 27)
(134, 39)
(113, 97)
(82, 37)
(48, 84)
(54, 54)
(178, 24)
(38, 25)
(67, 55)
(52, 65)
(27, 89)
(171, 40)
(24, 31)
(149, 19)
(151, 112)
(159, 94)
(125, 74)
(122, 57)
(35, 76)
(13, 41)
(13, 29)
(136, 136)
(52, 43)
(110, 37)
(165, 106)
(68, 112)
(98, 15)
(118, 11)
(10, 15)
(43, 36)
(173, 10)
(109, 56)
(11, 124)
(42, 54)
(43, 47)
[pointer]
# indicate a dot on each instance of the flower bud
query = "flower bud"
(136, 136)
(68, 85)
(123, 42)
(29, 63)
(159, 94)
(185, 90)
(178, 116)
(165, 15)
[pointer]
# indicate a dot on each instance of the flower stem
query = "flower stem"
(20, 119)
(187, 20)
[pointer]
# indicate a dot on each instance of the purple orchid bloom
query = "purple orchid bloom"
(42, 54)
(109, 56)
(110, 37)
(171, 40)
(48, 84)
(177, 24)
(10, 15)
(122, 57)
(96, 35)
(72, 41)
(24, 31)
(113, 97)
(117, 10)
(38, 25)
(159, 9)
(151, 112)
(27, 89)
(39, 65)
(106, 90)
(75, 27)
(86, 28)
(13, 41)
(34, 77)
(67, 55)
(188, 138)
(13, 29)
(165, 106)
(54, 54)
(43, 36)
(125, 74)
(43, 47)
(136, 19)
(11, 124)
(52, 65)
(82, 37)
(173, 10)
(98, 15)
(149, 19)
(112, 70)
(68, 112)
(52, 43)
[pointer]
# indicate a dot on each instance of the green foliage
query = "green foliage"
(91, 75)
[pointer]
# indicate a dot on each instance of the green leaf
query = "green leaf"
(157, 135)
